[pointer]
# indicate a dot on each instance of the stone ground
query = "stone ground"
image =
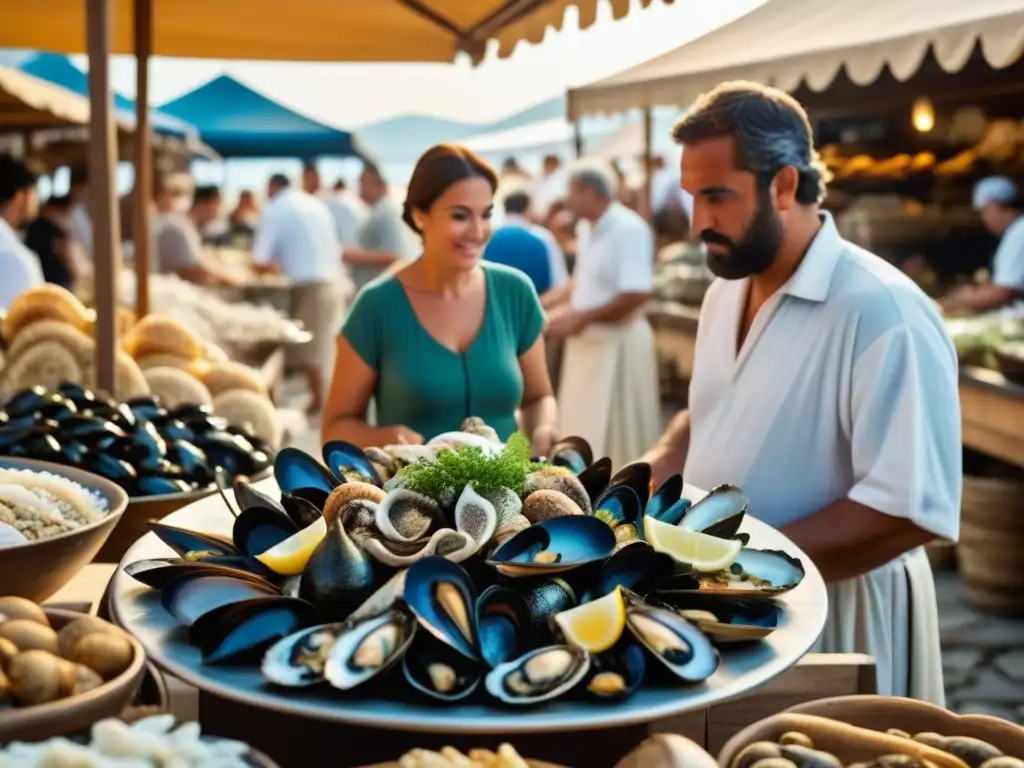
(982, 655)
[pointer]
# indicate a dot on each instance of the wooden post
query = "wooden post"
(103, 208)
(577, 134)
(143, 21)
(648, 161)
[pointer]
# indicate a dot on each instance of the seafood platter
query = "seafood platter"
(147, 449)
(465, 575)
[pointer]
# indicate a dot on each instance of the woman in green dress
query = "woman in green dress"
(447, 336)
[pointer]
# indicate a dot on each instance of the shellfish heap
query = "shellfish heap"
(147, 449)
(37, 505)
(470, 566)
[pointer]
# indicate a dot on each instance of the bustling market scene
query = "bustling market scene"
(512, 384)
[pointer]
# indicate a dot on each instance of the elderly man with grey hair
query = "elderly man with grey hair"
(824, 385)
(608, 392)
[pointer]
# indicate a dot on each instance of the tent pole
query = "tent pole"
(103, 206)
(577, 135)
(143, 22)
(648, 162)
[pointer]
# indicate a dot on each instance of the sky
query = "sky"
(352, 95)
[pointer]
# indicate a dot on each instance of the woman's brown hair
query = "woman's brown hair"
(438, 169)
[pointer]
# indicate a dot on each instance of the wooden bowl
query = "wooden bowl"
(879, 713)
(75, 713)
(38, 569)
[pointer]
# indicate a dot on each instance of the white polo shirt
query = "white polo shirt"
(1008, 263)
(846, 386)
(615, 256)
(297, 232)
(19, 267)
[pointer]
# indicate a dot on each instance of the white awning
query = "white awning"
(788, 42)
(543, 136)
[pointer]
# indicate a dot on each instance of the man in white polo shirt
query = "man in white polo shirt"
(824, 384)
(19, 267)
(297, 237)
(608, 391)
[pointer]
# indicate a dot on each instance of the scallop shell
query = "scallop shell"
(225, 377)
(130, 380)
(76, 342)
(164, 360)
(46, 364)
(242, 407)
(175, 387)
(159, 333)
(45, 302)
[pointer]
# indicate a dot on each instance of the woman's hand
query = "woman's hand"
(400, 435)
(542, 439)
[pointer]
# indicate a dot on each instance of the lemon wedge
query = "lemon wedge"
(595, 626)
(289, 558)
(704, 553)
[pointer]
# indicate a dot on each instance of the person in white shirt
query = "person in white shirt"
(382, 236)
(550, 186)
(609, 376)
(348, 214)
(1001, 207)
(19, 203)
(824, 385)
(297, 238)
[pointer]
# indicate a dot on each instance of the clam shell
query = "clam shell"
(446, 543)
(369, 647)
(558, 479)
(475, 516)
(539, 666)
(406, 516)
(546, 504)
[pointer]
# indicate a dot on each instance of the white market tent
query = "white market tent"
(786, 43)
(554, 135)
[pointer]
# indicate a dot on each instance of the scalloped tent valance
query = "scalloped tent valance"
(786, 43)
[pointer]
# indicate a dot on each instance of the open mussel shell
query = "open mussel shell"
(243, 631)
(258, 529)
(304, 506)
(596, 478)
(438, 671)
(554, 545)
(186, 542)
(503, 623)
(246, 495)
(573, 453)
(158, 573)
(678, 644)
(443, 598)
(191, 595)
(672, 514)
(765, 572)
(618, 505)
(299, 659)
(668, 494)
(294, 469)
(538, 675)
(720, 513)
(369, 647)
(349, 462)
(727, 619)
(616, 674)
(638, 477)
(637, 568)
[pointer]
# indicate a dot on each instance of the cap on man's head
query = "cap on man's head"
(994, 189)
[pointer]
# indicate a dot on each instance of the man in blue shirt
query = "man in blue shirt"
(530, 248)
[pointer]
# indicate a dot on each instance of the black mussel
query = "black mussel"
(439, 671)
(294, 469)
(124, 417)
(146, 407)
(617, 673)
(596, 478)
(236, 563)
(25, 402)
(43, 447)
(76, 393)
(174, 429)
(442, 596)
(637, 568)
(538, 675)
(300, 659)
(137, 454)
(244, 631)
(73, 452)
(232, 453)
(186, 542)
(147, 437)
(675, 642)
(90, 429)
(768, 570)
(673, 514)
(110, 467)
(503, 624)
(193, 462)
(191, 595)
(160, 485)
(726, 619)
(554, 545)
(300, 509)
(191, 412)
(56, 407)
(159, 572)
(617, 505)
(247, 495)
(544, 597)
(15, 430)
(339, 575)
(348, 462)
(720, 513)
(572, 452)
(258, 529)
(668, 494)
(638, 477)
(366, 648)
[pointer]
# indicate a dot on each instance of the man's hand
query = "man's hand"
(563, 322)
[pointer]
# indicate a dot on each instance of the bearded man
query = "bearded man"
(824, 384)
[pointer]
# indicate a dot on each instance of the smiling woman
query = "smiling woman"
(446, 336)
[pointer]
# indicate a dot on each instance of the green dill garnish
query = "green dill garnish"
(467, 464)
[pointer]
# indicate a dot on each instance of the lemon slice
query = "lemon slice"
(595, 626)
(289, 558)
(704, 553)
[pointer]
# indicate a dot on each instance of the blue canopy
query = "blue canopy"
(59, 70)
(239, 122)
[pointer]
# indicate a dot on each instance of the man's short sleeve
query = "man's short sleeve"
(1008, 264)
(906, 446)
(175, 249)
(634, 259)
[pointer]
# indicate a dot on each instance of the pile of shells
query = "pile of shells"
(466, 592)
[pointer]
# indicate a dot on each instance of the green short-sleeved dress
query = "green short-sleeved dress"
(426, 386)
